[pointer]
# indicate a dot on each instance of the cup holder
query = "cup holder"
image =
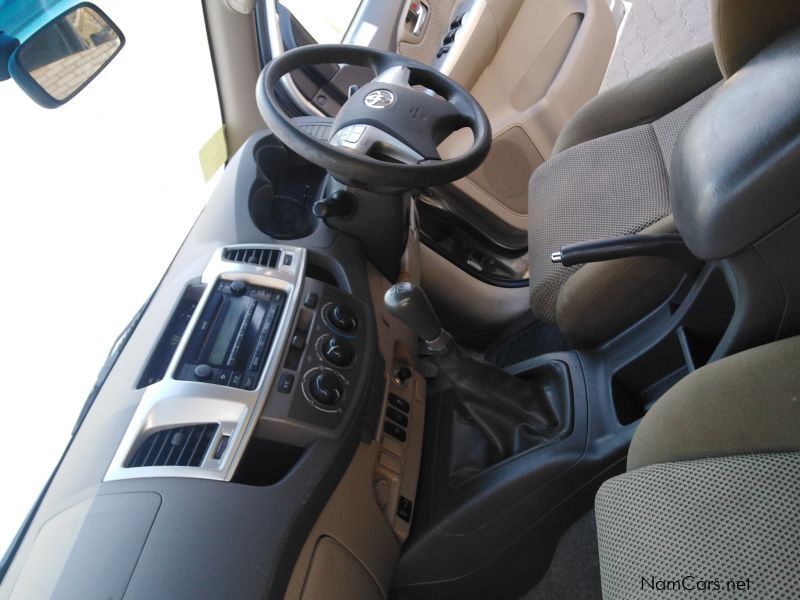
(284, 190)
(281, 217)
(271, 163)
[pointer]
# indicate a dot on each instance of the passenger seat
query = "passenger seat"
(710, 505)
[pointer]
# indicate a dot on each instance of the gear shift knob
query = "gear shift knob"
(409, 303)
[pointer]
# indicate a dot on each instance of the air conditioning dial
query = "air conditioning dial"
(337, 351)
(343, 318)
(325, 388)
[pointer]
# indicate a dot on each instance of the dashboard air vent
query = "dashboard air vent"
(266, 257)
(175, 447)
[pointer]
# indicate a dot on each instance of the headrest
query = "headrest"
(743, 28)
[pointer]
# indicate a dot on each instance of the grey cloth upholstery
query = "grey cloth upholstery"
(713, 485)
(642, 99)
(719, 519)
(746, 403)
(610, 186)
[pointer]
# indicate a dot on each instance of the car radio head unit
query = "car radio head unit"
(233, 336)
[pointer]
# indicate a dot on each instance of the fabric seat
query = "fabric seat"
(609, 176)
(711, 500)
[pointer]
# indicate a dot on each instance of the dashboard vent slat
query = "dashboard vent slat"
(175, 447)
(265, 257)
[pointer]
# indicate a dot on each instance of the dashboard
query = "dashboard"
(263, 406)
(253, 345)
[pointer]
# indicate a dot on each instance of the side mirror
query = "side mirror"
(62, 57)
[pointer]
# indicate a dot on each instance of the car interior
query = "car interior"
(458, 321)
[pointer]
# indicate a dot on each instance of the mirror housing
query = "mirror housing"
(63, 56)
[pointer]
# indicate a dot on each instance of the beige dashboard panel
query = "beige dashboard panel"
(353, 519)
(335, 573)
(549, 63)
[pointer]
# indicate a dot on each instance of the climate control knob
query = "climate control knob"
(343, 318)
(326, 388)
(337, 351)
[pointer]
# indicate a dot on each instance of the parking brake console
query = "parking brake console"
(514, 415)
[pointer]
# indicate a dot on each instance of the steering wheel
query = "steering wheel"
(387, 132)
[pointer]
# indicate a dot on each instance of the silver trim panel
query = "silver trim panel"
(366, 139)
(174, 403)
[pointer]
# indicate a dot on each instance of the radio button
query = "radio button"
(203, 372)
(285, 383)
(236, 379)
(310, 301)
(299, 341)
(238, 287)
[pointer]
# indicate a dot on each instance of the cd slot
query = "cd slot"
(234, 335)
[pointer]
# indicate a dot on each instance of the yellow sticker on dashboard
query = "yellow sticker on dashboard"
(214, 153)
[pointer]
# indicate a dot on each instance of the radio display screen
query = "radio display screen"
(224, 338)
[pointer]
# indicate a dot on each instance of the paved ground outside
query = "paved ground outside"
(656, 31)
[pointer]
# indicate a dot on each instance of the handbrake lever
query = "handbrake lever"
(665, 245)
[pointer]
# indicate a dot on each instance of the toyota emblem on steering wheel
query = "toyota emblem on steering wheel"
(379, 99)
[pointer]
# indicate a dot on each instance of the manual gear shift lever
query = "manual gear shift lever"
(409, 303)
(514, 415)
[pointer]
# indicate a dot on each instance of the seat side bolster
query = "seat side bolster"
(746, 403)
(643, 99)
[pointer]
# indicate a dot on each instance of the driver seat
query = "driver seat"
(609, 176)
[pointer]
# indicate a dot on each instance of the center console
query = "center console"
(253, 345)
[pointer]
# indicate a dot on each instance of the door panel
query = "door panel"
(476, 29)
(424, 45)
(551, 60)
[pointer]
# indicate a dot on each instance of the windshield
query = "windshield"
(326, 21)
(97, 198)
(19, 18)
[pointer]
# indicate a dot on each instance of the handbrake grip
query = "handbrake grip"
(665, 245)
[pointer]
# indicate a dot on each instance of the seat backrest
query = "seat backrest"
(743, 28)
